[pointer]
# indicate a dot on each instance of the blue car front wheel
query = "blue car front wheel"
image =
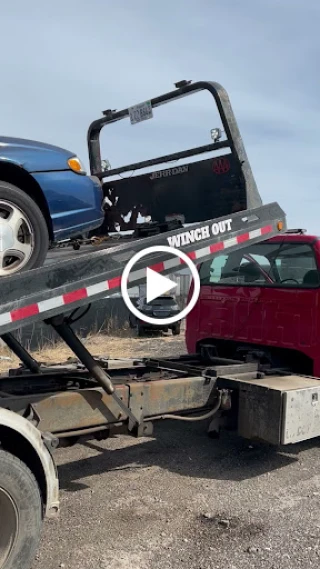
(24, 238)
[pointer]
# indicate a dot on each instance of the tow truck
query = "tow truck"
(45, 406)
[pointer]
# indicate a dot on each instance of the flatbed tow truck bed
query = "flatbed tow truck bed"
(42, 406)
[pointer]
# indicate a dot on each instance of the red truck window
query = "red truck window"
(264, 264)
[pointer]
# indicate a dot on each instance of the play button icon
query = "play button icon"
(157, 284)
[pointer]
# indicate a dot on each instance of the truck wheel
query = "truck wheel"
(20, 513)
(176, 330)
(24, 239)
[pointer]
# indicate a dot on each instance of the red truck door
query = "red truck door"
(266, 295)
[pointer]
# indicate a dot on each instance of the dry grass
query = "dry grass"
(124, 345)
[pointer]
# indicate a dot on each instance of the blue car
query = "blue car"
(45, 196)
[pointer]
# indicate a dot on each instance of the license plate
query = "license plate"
(161, 314)
(141, 112)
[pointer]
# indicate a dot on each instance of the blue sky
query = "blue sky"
(64, 62)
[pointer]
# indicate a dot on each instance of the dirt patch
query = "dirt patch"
(219, 527)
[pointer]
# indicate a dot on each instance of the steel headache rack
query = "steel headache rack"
(186, 192)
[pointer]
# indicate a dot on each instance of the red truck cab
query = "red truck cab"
(262, 302)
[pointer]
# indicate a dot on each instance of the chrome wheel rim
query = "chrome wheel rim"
(16, 238)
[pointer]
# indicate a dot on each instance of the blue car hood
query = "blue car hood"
(33, 156)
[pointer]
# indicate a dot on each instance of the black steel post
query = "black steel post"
(71, 339)
(100, 375)
(14, 345)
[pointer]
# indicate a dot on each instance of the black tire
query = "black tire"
(19, 500)
(19, 199)
(176, 330)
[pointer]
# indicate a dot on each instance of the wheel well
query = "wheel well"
(22, 179)
(295, 360)
(16, 444)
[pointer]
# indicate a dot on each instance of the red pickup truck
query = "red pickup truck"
(262, 302)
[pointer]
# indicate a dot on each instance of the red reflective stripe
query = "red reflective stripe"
(24, 312)
(158, 267)
(266, 229)
(216, 247)
(74, 295)
(192, 255)
(244, 237)
(113, 283)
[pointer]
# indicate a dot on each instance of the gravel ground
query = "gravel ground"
(180, 499)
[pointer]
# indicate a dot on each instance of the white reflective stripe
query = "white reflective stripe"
(97, 288)
(255, 233)
(201, 252)
(231, 242)
(51, 303)
(170, 263)
(135, 275)
(5, 318)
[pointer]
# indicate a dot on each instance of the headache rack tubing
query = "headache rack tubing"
(233, 137)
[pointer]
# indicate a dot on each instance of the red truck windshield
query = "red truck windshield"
(264, 264)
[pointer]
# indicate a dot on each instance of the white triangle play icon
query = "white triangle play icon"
(157, 285)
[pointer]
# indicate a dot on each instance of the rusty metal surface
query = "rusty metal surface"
(169, 396)
(71, 410)
(91, 407)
